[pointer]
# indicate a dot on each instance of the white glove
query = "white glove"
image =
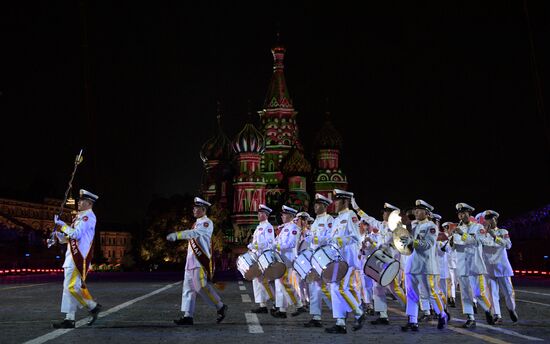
(354, 204)
(58, 221)
(406, 240)
(250, 246)
(172, 237)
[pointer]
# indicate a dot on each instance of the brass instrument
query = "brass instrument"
(399, 230)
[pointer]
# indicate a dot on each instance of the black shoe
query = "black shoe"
(441, 321)
(358, 322)
(273, 311)
(299, 311)
(66, 323)
(451, 302)
(489, 318)
(279, 314)
(380, 321)
(513, 315)
(469, 324)
(184, 321)
(259, 310)
(221, 314)
(497, 320)
(94, 313)
(313, 323)
(448, 315)
(424, 318)
(336, 329)
(475, 308)
(369, 310)
(410, 326)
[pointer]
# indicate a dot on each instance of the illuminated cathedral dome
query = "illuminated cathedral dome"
(296, 164)
(249, 140)
(217, 147)
(328, 137)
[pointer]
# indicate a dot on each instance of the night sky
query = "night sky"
(434, 101)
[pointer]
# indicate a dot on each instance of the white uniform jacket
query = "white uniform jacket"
(469, 250)
(263, 237)
(345, 235)
(286, 242)
(82, 230)
(320, 231)
(496, 255)
(423, 260)
(202, 232)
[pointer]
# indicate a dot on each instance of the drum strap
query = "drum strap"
(201, 256)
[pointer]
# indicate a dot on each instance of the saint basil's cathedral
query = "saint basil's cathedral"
(266, 165)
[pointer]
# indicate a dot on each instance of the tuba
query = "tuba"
(399, 230)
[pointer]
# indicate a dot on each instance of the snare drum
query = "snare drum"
(328, 263)
(247, 264)
(302, 265)
(271, 265)
(381, 267)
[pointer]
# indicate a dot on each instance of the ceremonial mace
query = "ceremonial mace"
(53, 237)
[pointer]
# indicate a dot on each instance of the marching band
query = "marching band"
(348, 262)
(351, 261)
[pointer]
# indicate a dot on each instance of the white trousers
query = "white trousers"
(380, 302)
(368, 289)
(343, 296)
(74, 296)
(285, 294)
(473, 288)
(263, 291)
(195, 282)
(452, 274)
(504, 283)
(318, 292)
(428, 283)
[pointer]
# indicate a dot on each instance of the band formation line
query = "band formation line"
(349, 262)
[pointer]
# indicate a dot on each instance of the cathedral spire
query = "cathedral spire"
(277, 93)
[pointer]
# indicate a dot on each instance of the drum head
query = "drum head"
(389, 273)
(253, 272)
(313, 276)
(335, 271)
(274, 271)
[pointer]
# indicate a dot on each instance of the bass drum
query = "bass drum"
(328, 263)
(381, 267)
(247, 264)
(271, 265)
(302, 266)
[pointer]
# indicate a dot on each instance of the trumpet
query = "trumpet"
(399, 230)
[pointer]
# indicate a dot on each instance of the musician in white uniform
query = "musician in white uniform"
(197, 267)
(79, 237)
(345, 235)
(285, 244)
(319, 235)
(451, 265)
(262, 239)
(443, 259)
(386, 238)
(371, 239)
(467, 241)
(498, 266)
(300, 285)
(422, 268)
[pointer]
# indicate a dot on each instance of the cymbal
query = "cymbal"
(401, 231)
